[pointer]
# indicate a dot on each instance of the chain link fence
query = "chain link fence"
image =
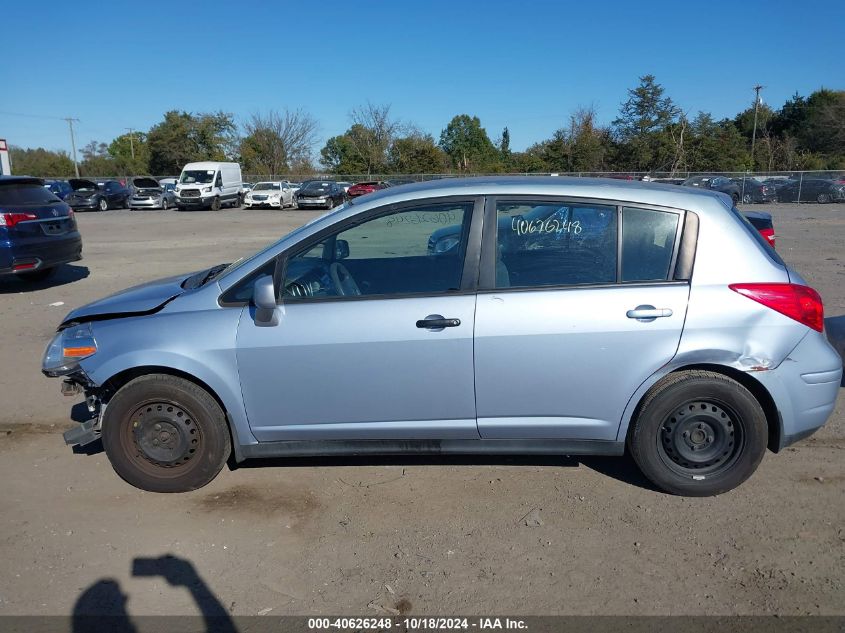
(747, 187)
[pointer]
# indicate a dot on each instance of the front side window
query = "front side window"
(391, 254)
(553, 244)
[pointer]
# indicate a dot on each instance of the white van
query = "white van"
(209, 185)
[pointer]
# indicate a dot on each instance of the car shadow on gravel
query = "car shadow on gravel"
(64, 275)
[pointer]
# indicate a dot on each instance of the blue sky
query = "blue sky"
(525, 65)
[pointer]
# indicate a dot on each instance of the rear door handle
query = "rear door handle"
(437, 322)
(648, 313)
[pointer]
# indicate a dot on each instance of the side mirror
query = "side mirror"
(341, 249)
(264, 298)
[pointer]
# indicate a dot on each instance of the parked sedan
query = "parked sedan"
(325, 194)
(91, 196)
(630, 318)
(754, 191)
(150, 194)
(715, 183)
(275, 195)
(60, 188)
(363, 188)
(812, 190)
(38, 232)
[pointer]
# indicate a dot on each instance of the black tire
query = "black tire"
(164, 204)
(36, 275)
(330, 204)
(215, 204)
(735, 198)
(698, 434)
(823, 198)
(746, 199)
(103, 205)
(165, 434)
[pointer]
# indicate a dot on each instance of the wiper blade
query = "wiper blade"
(212, 273)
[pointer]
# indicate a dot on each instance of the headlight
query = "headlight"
(206, 189)
(275, 196)
(67, 348)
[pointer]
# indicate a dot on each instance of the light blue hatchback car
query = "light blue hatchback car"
(561, 316)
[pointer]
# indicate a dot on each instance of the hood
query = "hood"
(136, 301)
(82, 183)
(145, 183)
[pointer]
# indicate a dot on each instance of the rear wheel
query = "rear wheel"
(37, 275)
(165, 434)
(747, 198)
(698, 433)
(823, 198)
(103, 204)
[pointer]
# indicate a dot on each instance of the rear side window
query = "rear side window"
(23, 194)
(551, 244)
(648, 240)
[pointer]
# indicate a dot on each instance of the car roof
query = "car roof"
(602, 188)
(20, 180)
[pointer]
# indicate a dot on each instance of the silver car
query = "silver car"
(571, 316)
(150, 194)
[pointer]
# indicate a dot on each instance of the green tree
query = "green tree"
(183, 137)
(131, 154)
(468, 146)
(715, 145)
(341, 155)
(96, 161)
(416, 153)
(643, 127)
(40, 162)
(276, 142)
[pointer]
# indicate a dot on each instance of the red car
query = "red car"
(363, 188)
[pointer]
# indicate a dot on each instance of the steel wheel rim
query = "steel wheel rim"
(746, 199)
(103, 205)
(162, 438)
(701, 438)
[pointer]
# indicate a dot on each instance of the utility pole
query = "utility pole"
(131, 141)
(73, 144)
(757, 90)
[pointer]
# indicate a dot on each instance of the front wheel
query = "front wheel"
(165, 434)
(746, 198)
(164, 204)
(215, 204)
(330, 204)
(735, 198)
(823, 198)
(103, 205)
(699, 434)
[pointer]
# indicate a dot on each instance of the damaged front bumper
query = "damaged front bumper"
(90, 430)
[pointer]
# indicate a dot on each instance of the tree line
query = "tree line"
(650, 134)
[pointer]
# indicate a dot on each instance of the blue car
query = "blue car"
(565, 316)
(38, 232)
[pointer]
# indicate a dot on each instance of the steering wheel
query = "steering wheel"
(342, 280)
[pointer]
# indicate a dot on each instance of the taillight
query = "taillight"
(769, 234)
(10, 219)
(797, 302)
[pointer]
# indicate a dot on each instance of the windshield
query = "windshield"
(19, 194)
(317, 187)
(199, 176)
(267, 186)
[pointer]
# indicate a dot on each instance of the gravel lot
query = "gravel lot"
(380, 536)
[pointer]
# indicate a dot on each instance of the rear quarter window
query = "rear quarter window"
(755, 235)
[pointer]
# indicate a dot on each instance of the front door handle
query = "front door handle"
(437, 322)
(647, 313)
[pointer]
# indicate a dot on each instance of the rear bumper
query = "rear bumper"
(45, 253)
(804, 387)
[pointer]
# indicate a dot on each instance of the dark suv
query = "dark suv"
(37, 230)
(715, 183)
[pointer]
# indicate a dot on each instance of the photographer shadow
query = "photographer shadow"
(102, 606)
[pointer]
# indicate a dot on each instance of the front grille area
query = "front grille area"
(190, 193)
